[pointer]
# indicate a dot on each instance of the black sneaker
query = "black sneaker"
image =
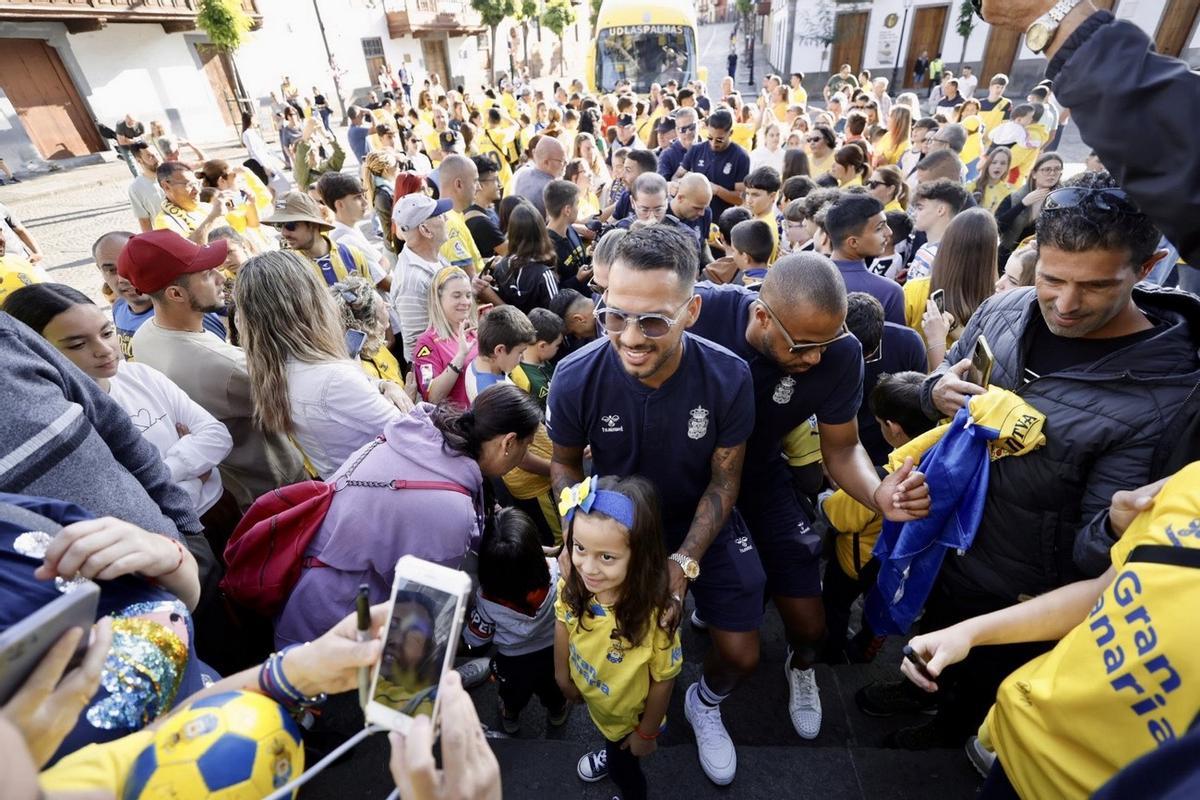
(559, 718)
(927, 736)
(882, 699)
(510, 724)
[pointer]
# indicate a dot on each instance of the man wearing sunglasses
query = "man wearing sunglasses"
(685, 136)
(721, 160)
(804, 362)
(305, 232)
(1110, 365)
(653, 400)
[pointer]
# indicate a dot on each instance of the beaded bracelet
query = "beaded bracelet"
(274, 684)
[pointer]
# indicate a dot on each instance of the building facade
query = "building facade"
(68, 66)
(888, 36)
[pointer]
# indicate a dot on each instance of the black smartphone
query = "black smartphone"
(938, 296)
(982, 360)
(915, 658)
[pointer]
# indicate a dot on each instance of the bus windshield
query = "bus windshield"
(644, 54)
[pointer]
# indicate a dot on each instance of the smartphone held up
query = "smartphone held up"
(424, 622)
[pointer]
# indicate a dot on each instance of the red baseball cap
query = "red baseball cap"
(151, 261)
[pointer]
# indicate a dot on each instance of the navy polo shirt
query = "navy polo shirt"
(726, 168)
(667, 435)
(903, 349)
(859, 279)
(670, 159)
(832, 390)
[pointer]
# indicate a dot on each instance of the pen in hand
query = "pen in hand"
(363, 608)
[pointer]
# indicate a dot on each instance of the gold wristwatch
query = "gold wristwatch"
(1039, 35)
(689, 565)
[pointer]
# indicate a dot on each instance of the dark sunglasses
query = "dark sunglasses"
(795, 347)
(686, 128)
(875, 184)
(1107, 201)
(814, 138)
(290, 227)
(652, 326)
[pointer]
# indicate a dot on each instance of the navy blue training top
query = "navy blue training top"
(667, 435)
(726, 168)
(858, 278)
(832, 390)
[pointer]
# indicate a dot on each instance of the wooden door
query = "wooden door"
(849, 40)
(46, 101)
(928, 33)
(1000, 53)
(1175, 29)
(217, 72)
(433, 52)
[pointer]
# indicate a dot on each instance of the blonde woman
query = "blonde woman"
(302, 380)
(379, 179)
(896, 141)
(585, 148)
(444, 350)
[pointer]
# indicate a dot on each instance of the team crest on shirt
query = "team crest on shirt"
(698, 423)
(784, 390)
(611, 424)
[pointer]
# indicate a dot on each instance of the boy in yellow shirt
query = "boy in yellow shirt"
(896, 403)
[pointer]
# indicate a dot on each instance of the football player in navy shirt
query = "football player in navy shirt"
(653, 400)
(804, 362)
(721, 160)
(858, 229)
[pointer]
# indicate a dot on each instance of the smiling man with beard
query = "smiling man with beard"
(653, 400)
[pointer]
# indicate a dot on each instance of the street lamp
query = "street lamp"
(900, 45)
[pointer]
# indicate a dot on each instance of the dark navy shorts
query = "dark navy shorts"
(729, 591)
(782, 530)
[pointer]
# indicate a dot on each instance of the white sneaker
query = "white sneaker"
(981, 758)
(804, 700)
(718, 759)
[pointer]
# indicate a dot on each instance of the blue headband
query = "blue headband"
(586, 498)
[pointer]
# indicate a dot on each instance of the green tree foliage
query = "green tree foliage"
(492, 13)
(558, 16)
(225, 22)
(965, 26)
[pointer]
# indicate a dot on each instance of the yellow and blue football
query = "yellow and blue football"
(229, 746)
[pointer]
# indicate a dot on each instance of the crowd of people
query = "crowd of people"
(627, 355)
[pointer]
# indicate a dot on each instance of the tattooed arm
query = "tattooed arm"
(566, 468)
(711, 515)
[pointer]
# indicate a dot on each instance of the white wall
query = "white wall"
(153, 74)
(882, 43)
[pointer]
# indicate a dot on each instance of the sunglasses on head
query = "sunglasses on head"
(652, 326)
(1108, 201)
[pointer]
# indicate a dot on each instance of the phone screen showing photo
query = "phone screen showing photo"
(414, 649)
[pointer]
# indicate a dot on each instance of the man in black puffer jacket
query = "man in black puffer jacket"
(1109, 365)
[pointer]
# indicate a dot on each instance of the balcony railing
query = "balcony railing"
(423, 17)
(90, 15)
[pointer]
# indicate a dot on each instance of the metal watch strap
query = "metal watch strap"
(1060, 10)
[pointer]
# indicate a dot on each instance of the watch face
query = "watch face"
(1038, 36)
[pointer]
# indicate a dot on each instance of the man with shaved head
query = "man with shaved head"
(459, 181)
(548, 163)
(690, 206)
(130, 308)
(804, 363)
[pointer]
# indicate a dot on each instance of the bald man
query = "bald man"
(804, 363)
(690, 206)
(130, 308)
(548, 163)
(459, 181)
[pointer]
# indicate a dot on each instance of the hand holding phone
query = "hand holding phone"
(424, 622)
(48, 700)
(938, 296)
(982, 360)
